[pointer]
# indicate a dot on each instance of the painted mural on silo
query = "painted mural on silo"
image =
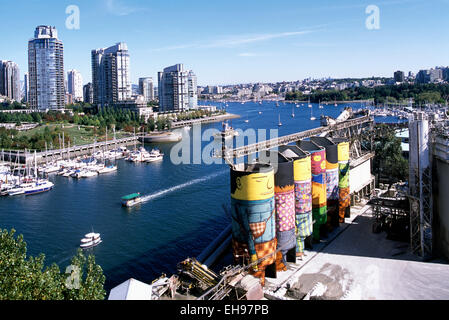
(344, 206)
(253, 216)
(284, 195)
(302, 175)
(319, 193)
(332, 180)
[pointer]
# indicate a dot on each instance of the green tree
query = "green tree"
(26, 278)
(151, 124)
(388, 161)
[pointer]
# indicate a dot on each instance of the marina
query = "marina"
(138, 242)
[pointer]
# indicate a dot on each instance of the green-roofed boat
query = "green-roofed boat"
(131, 199)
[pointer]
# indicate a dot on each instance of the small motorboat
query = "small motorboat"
(155, 155)
(107, 169)
(131, 199)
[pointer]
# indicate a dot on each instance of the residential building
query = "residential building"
(68, 98)
(446, 74)
(192, 90)
(399, 76)
(146, 88)
(26, 86)
(436, 75)
(173, 89)
(46, 69)
(210, 89)
(423, 76)
(10, 80)
(429, 76)
(110, 75)
(88, 93)
(75, 85)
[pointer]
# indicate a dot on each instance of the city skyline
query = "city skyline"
(245, 42)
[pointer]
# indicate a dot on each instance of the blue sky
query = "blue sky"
(228, 42)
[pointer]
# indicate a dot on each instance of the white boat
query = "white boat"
(279, 123)
(107, 169)
(39, 187)
(30, 188)
(88, 173)
(140, 155)
(5, 189)
(155, 155)
(83, 173)
(311, 115)
(50, 168)
(20, 189)
(90, 240)
(68, 173)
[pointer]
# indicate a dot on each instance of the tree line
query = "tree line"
(50, 138)
(420, 93)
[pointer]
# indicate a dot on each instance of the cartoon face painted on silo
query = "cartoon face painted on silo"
(252, 185)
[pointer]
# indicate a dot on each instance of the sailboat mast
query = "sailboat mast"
(63, 144)
(35, 165)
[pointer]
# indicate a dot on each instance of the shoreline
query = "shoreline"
(332, 102)
(286, 101)
(219, 118)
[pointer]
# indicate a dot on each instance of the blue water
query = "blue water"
(182, 215)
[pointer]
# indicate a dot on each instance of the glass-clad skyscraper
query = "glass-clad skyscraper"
(177, 89)
(46, 69)
(110, 75)
(10, 80)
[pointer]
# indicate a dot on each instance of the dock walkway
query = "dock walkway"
(79, 150)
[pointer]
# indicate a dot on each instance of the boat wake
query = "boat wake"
(181, 186)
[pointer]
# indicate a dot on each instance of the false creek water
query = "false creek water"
(182, 213)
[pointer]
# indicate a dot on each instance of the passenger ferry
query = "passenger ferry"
(90, 240)
(131, 199)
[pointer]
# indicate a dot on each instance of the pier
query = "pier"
(20, 156)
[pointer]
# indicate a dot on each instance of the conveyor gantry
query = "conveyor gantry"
(229, 154)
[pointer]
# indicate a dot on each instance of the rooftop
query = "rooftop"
(356, 264)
